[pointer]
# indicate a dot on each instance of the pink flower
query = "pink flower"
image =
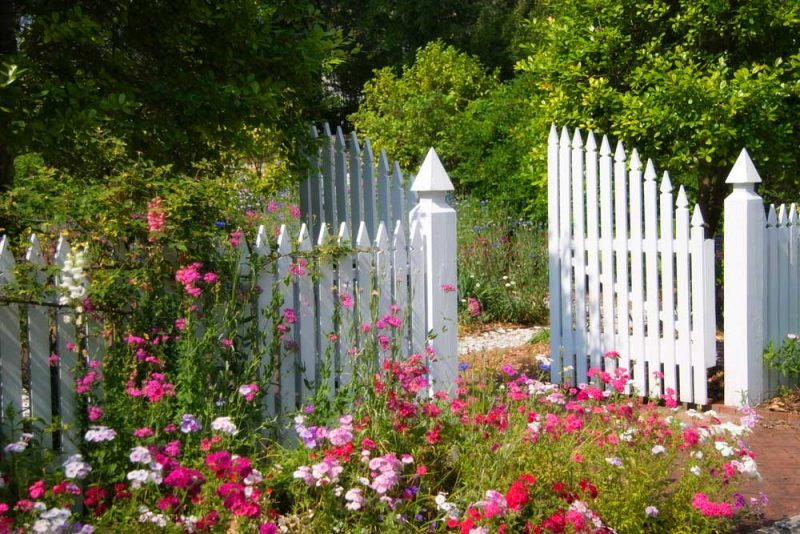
(70, 345)
(235, 238)
(226, 342)
(53, 360)
(180, 324)
(294, 211)
(95, 413)
(144, 432)
(210, 278)
(448, 288)
(37, 489)
(473, 306)
(346, 300)
(384, 342)
(272, 207)
(156, 219)
(289, 316)
(249, 391)
(299, 268)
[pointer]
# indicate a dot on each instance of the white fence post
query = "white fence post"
(438, 224)
(744, 286)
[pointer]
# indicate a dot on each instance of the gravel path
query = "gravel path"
(502, 338)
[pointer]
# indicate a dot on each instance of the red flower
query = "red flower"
(517, 496)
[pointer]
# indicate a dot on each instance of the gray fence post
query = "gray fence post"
(438, 224)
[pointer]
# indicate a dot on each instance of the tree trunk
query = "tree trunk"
(8, 46)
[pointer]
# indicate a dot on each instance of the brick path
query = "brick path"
(776, 443)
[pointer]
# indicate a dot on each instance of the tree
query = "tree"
(178, 82)
(689, 83)
(409, 113)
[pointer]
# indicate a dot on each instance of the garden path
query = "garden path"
(497, 338)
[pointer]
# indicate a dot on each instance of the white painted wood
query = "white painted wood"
(370, 201)
(348, 317)
(383, 189)
(794, 273)
(652, 308)
(315, 177)
(743, 286)
(342, 189)
(39, 345)
(356, 214)
(667, 285)
(400, 286)
(416, 266)
(683, 354)
(607, 250)
(383, 282)
(364, 283)
(579, 212)
(306, 318)
(288, 354)
(438, 221)
(326, 333)
(699, 306)
(328, 177)
(593, 253)
(622, 310)
(773, 292)
(783, 283)
(397, 195)
(637, 343)
(554, 249)
(566, 358)
(68, 364)
(265, 278)
(10, 348)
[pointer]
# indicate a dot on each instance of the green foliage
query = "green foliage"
(786, 358)
(502, 263)
(409, 113)
(688, 84)
(178, 82)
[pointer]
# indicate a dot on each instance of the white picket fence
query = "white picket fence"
(344, 184)
(630, 271)
(404, 268)
(762, 285)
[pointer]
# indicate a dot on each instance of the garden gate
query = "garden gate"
(631, 274)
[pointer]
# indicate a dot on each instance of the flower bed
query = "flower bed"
(519, 456)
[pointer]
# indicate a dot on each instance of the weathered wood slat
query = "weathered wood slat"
(283, 283)
(553, 248)
(348, 318)
(306, 316)
(326, 333)
(566, 359)
(356, 215)
(265, 278)
(10, 346)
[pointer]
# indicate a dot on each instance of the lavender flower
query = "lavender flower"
(651, 511)
(614, 461)
(189, 424)
(224, 424)
(96, 434)
(75, 467)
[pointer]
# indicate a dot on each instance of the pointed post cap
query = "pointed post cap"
(431, 175)
(743, 172)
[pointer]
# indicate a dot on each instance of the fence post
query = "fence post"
(744, 286)
(438, 224)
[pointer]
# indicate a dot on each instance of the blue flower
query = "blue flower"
(463, 366)
(220, 224)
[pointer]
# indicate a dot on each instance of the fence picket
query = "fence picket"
(355, 184)
(581, 367)
(399, 253)
(348, 318)
(10, 347)
(592, 246)
(621, 247)
(553, 246)
(38, 335)
(266, 281)
(327, 305)
(666, 217)
(364, 281)
(383, 188)
(699, 306)
(683, 355)
(653, 335)
(315, 219)
(565, 359)
(607, 249)
(66, 346)
(637, 344)
(342, 187)
(306, 330)
(783, 282)
(383, 274)
(328, 177)
(773, 291)
(397, 196)
(368, 177)
(288, 353)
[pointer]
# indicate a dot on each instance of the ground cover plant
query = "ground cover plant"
(502, 265)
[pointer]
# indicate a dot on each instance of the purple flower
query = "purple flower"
(189, 424)
(308, 408)
(651, 511)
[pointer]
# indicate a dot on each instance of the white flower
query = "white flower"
(17, 446)
(695, 470)
(224, 424)
(747, 466)
(41, 526)
(724, 449)
(75, 467)
(140, 455)
(97, 434)
(658, 449)
(697, 454)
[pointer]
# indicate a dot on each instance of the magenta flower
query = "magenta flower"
(448, 288)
